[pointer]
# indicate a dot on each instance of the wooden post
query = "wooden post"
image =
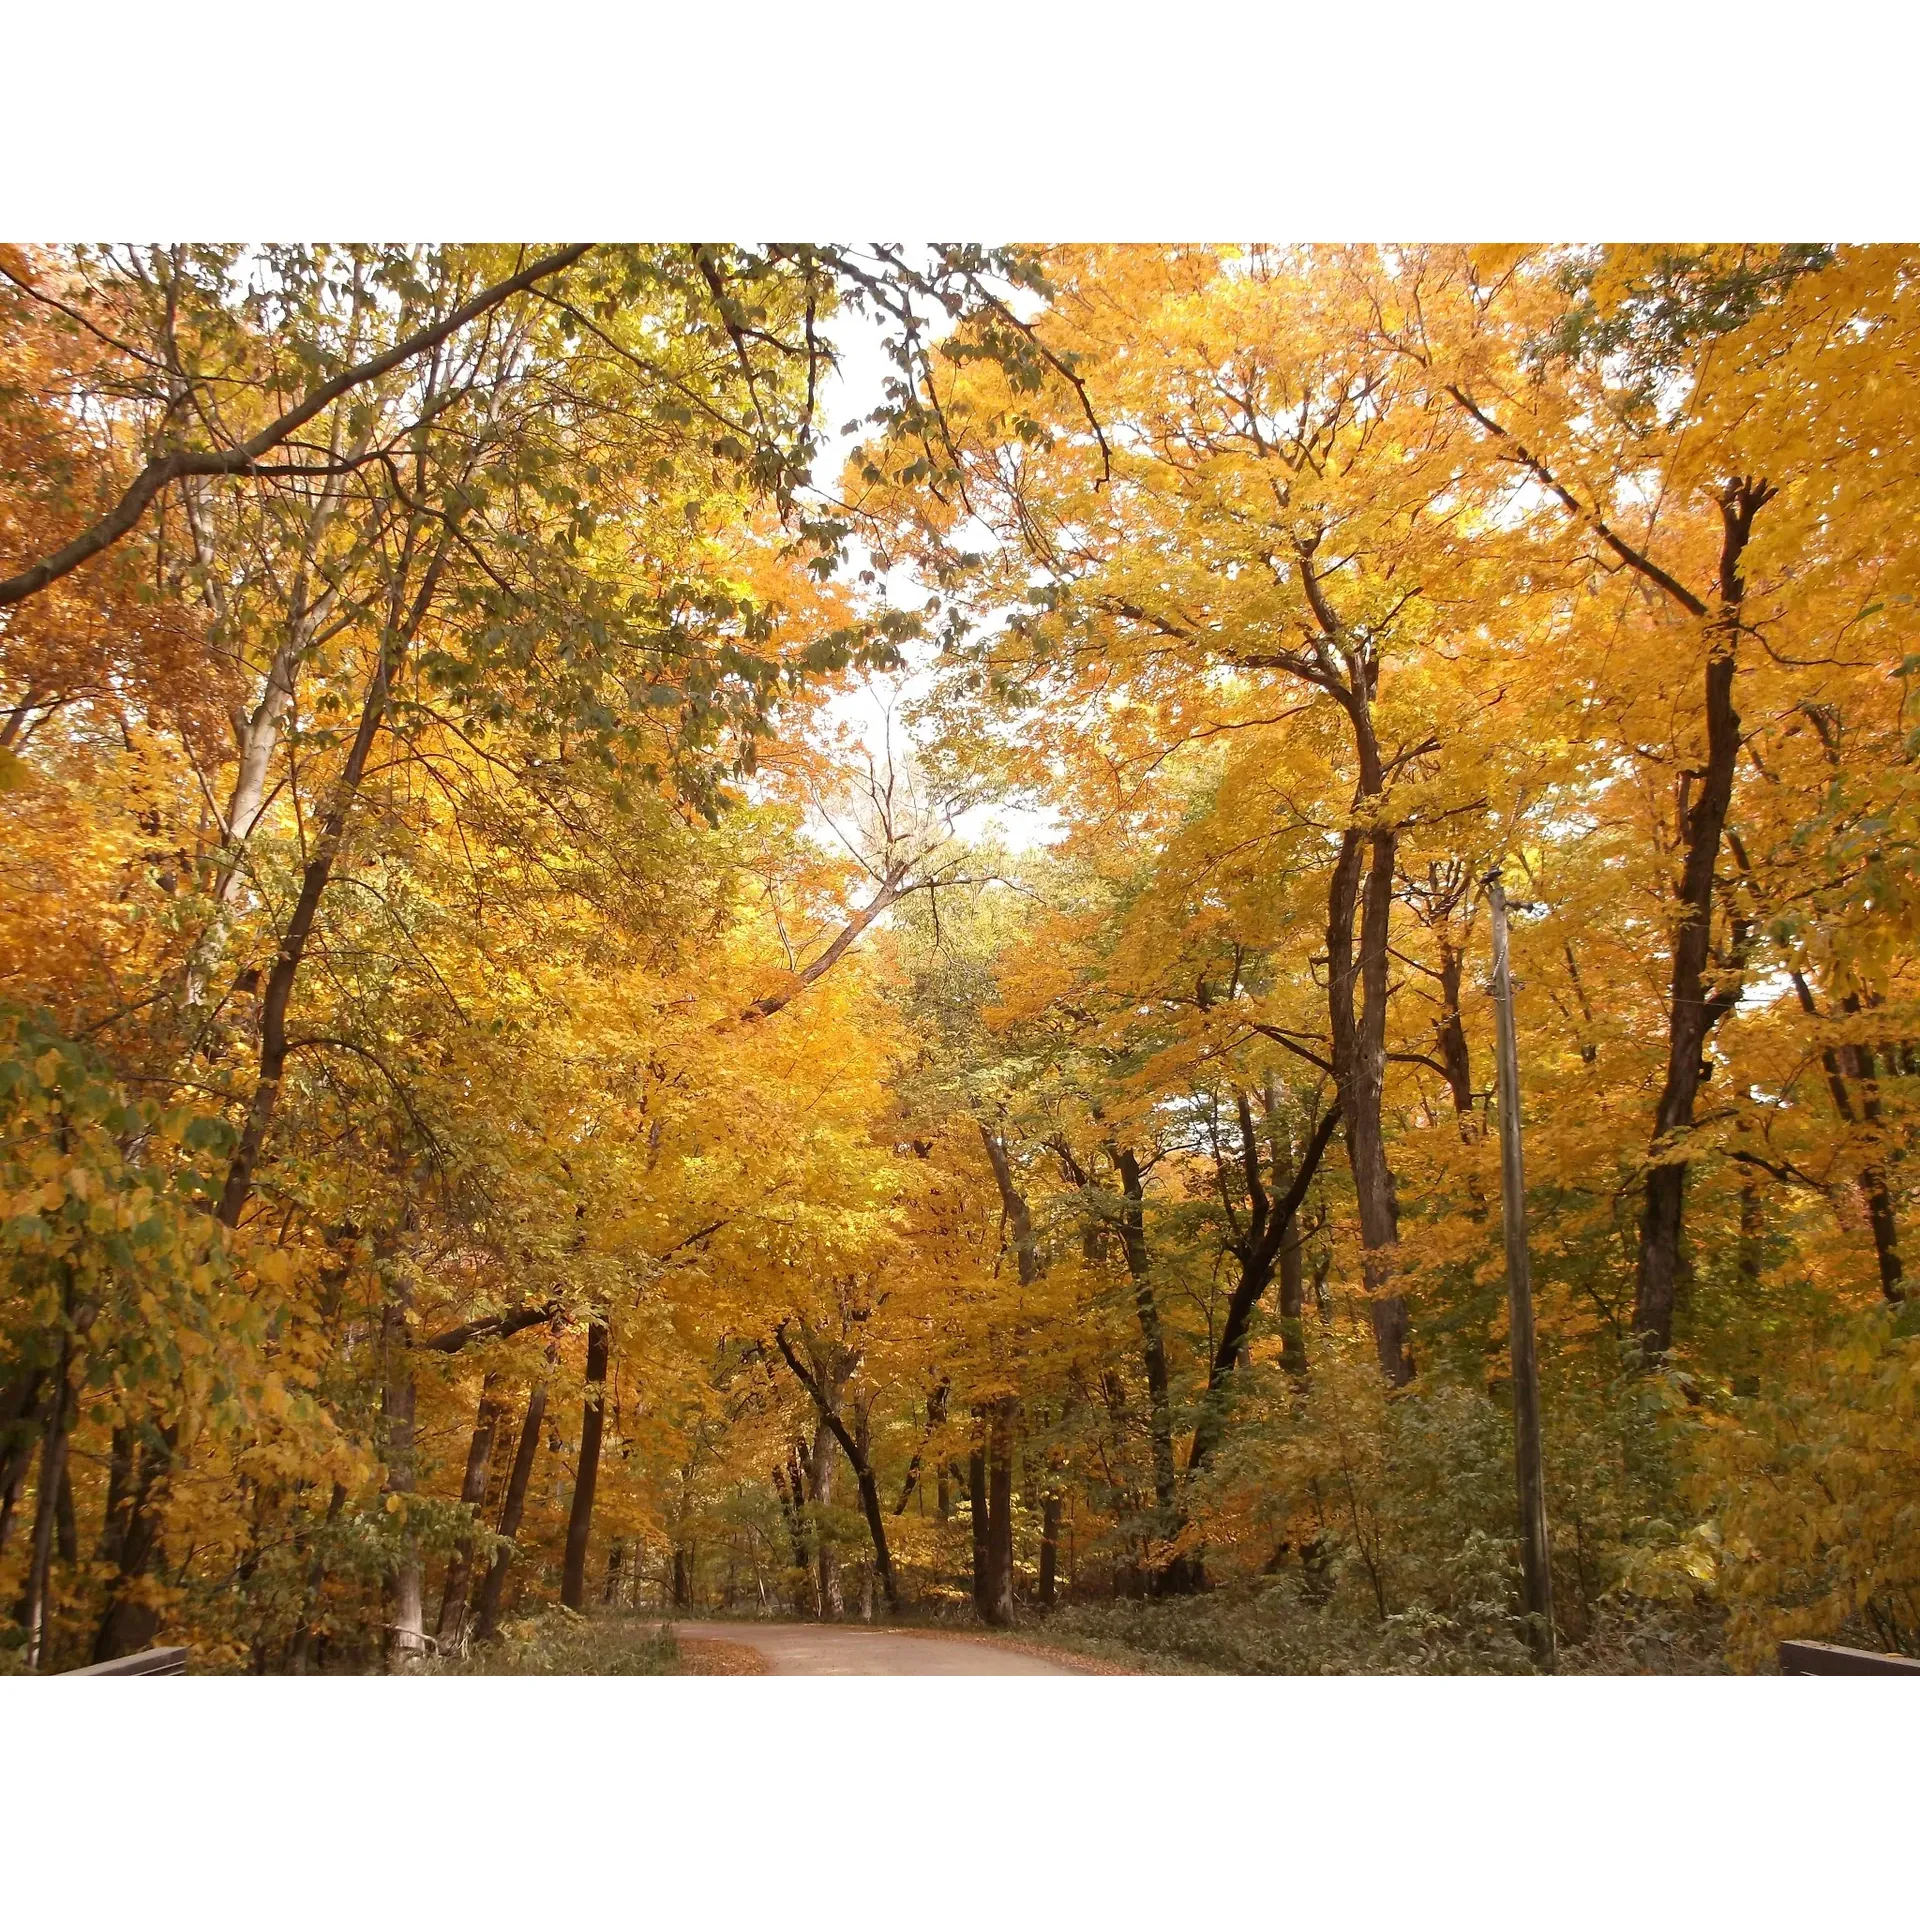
(1535, 1557)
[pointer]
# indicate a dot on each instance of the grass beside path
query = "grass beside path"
(558, 1642)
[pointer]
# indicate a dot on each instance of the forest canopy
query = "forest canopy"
(619, 993)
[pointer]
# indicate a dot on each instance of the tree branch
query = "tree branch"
(891, 888)
(1629, 555)
(501, 1326)
(185, 464)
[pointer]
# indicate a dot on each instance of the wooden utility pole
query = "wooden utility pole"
(1535, 1558)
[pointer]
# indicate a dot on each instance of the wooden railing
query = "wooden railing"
(156, 1660)
(1817, 1656)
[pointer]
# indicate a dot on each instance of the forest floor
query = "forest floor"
(1263, 1628)
(804, 1648)
(1246, 1633)
(555, 1641)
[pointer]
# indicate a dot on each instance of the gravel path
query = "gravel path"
(814, 1649)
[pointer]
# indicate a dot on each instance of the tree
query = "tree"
(591, 1012)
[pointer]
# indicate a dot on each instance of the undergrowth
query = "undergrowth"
(560, 1642)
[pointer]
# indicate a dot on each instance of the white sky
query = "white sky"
(850, 394)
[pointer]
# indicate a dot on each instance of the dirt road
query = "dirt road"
(812, 1649)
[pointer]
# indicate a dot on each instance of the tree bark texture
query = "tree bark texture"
(997, 1610)
(451, 1624)
(1692, 1010)
(406, 1622)
(593, 1420)
(818, 1379)
(1358, 1023)
(130, 1620)
(524, 1454)
(1049, 1547)
(977, 1512)
(826, 1559)
(1257, 1252)
(1153, 1351)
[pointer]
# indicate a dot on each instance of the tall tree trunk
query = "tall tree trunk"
(449, 1627)
(820, 1497)
(113, 1525)
(1589, 1048)
(1293, 1300)
(1133, 1241)
(278, 995)
(260, 736)
(821, 1382)
(1882, 1221)
(593, 1417)
(977, 1512)
(1693, 1012)
(1049, 1547)
(1856, 1063)
(995, 1599)
(1884, 1226)
(408, 1602)
(936, 1416)
(406, 1618)
(998, 1610)
(1346, 665)
(66, 1532)
(130, 1620)
(1290, 1251)
(1360, 1063)
(1450, 1031)
(20, 1435)
(524, 1455)
(53, 1467)
(794, 1504)
(1026, 1246)
(877, 1531)
(301, 1650)
(1257, 1252)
